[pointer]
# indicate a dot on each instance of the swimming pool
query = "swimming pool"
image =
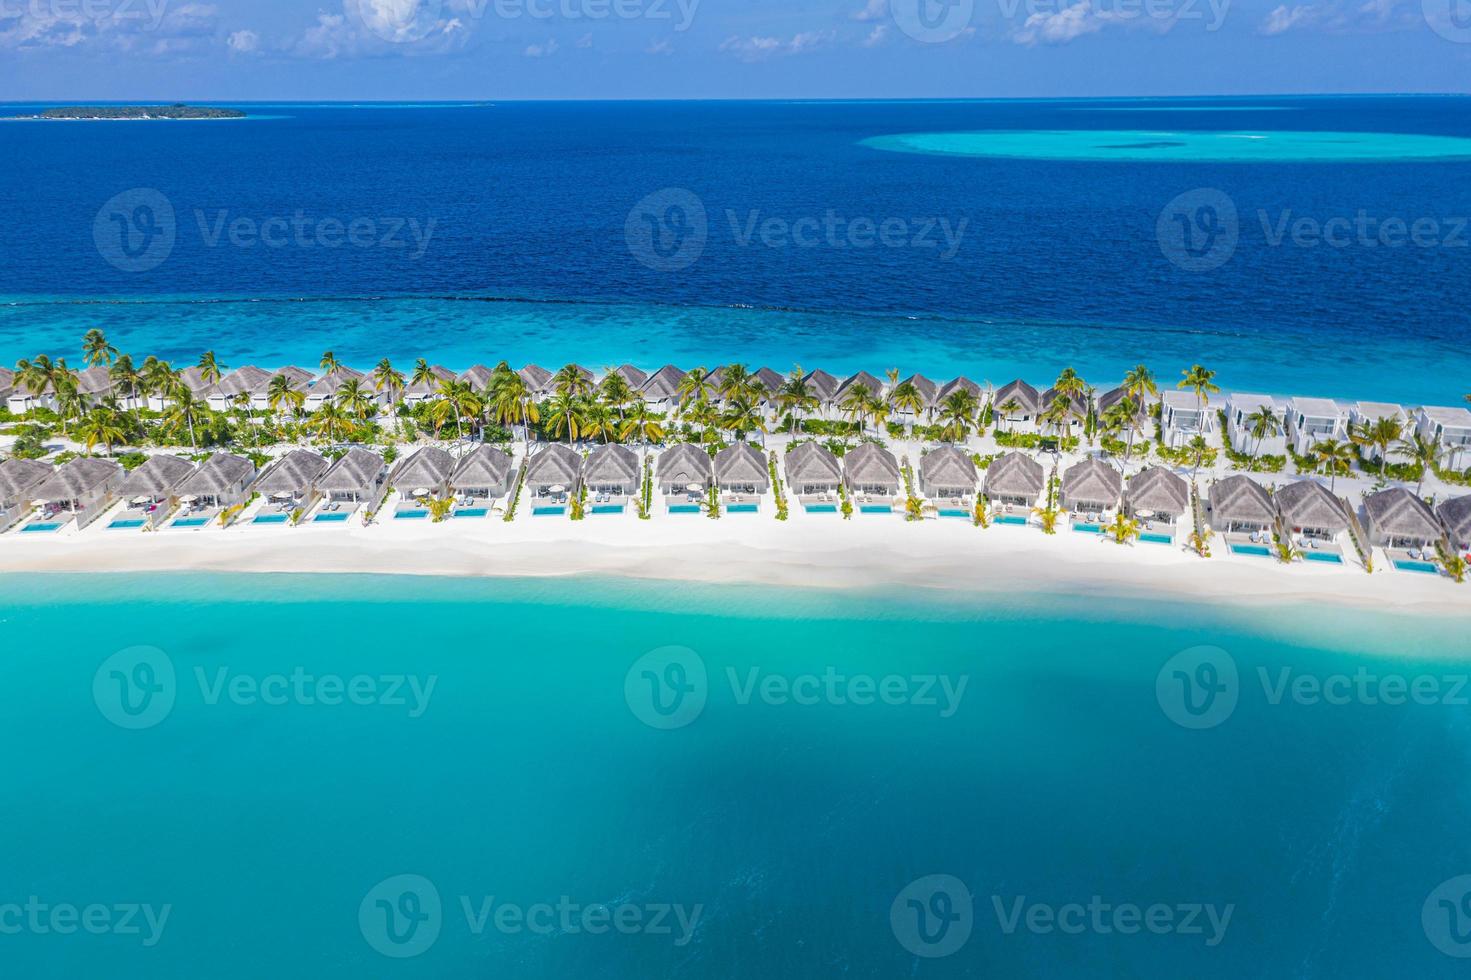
(272, 519)
(1424, 567)
(191, 522)
(41, 528)
(1011, 519)
(127, 524)
(1156, 539)
(1323, 556)
(686, 508)
(822, 508)
(547, 511)
(954, 513)
(1259, 550)
(471, 512)
(336, 517)
(607, 508)
(742, 509)
(410, 515)
(876, 509)
(1089, 528)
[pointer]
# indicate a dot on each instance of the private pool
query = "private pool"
(1259, 550)
(607, 508)
(1089, 528)
(1323, 556)
(742, 509)
(547, 511)
(272, 519)
(1011, 519)
(191, 522)
(876, 509)
(471, 512)
(336, 517)
(410, 515)
(1424, 567)
(822, 508)
(41, 528)
(686, 508)
(947, 512)
(127, 524)
(1156, 539)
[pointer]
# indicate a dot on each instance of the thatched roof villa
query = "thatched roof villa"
(812, 470)
(482, 473)
(1015, 480)
(219, 482)
(1308, 509)
(871, 470)
(428, 469)
(948, 473)
(1396, 518)
(683, 466)
(741, 468)
(19, 478)
(1091, 486)
(1240, 505)
(83, 488)
(357, 478)
(1157, 494)
(611, 469)
(553, 465)
(1455, 517)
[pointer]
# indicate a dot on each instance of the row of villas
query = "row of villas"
(1302, 422)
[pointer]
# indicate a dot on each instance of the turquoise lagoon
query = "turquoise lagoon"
(528, 775)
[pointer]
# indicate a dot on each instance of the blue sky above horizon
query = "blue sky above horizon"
(666, 49)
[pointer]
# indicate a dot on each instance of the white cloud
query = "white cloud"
(149, 28)
(1285, 18)
(1063, 25)
(379, 27)
(877, 36)
(244, 42)
(542, 50)
(876, 10)
(1338, 17)
(661, 46)
(760, 48)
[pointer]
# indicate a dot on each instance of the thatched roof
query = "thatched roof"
(423, 389)
(948, 467)
(1092, 480)
(1159, 490)
(632, 375)
(663, 384)
(1399, 512)
(860, 380)
(1237, 498)
(812, 462)
(478, 375)
(299, 377)
(430, 467)
(1078, 403)
(94, 381)
(359, 469)
(292, 473)
(957, 384)
(822, 384)
(537, 378)
(927, 388)
(872, 464)
(554, 463)
(742, 463)
(156, 476)
(76, 477)
(769, 380)
(332, 383)
(193, 379)
(7, 377)
(1307, 503)
(242, 381)
(684, 464)
(18, 476)
(219, 473)
(1015, 475)
(1028, 401)
(1455, 514)
(611, 463)
(483, 466)
(1110, 398)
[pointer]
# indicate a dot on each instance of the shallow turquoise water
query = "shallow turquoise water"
(528, 774)
(1257, 146)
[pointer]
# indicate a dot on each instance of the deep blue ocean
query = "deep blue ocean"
(1048, 262)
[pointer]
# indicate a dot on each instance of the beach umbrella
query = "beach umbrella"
(143, 499)
(1146, 514)
(188, 498)
(557, 488)
(421, 492)
(695, 486)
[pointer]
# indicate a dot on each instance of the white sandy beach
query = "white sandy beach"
(809, 550)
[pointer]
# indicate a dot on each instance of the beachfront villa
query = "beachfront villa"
(1314, 420)
(7, 384)
(685, 474)
(552, 473)
(1183, 417)
(94, 385)
(1159, 500)
(22, 398)
(1239, 411)
(948, 477)
(1366, 413)
(1398, 520)
(289, 485)
(81, 489)
(1455, 517)
(632, 376)
(422, 477)
(482, 475)
(357, 478)
(249, 381)
(661, 391)
(611, 473)
(477, 376)
(1016, 403)
(1114, 396)
(742, 475)
(538, 380)
(217, 485)
(1014, 482)
(425, 390)
(873, 478)
(863, 380)
(192, 378)
(1451, 428)
(327, 387)
(150, 493)
(19, 478)
(824, 387)
(928, 392)
(1077, 410)
(1091, 488)
(961, 383)
(814, 475)
(1239, 506)
(1311, 514)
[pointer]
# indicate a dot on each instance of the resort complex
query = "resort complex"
(123, 447)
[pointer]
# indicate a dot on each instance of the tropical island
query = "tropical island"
(176, 111)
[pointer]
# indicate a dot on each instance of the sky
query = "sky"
(362, 50)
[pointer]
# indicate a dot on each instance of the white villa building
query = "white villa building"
(1182, 417)
(1451, 428)
(1239, 410)
(1314, 420)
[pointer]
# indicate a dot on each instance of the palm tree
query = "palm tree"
(386, 378)
(957, 414)
(186, 409)
(743, 415)
(857, 406)
(694, 386)
(736, 382)
(64, 387)
(616, 392)
(242, 404)
(644, 423)
(1262, 424)
(159, 377)
(566, 413)
(1139, 384)
(330, 364)
(1060, 414)
(600, 421)
(282, 395)
(1123, 415)
(210, 369)
(1201, 381)
(125, 376)
(96, 348)
(796, 395)
(571, 381)
(1009, 408)
(101, 425)
(511, 401)
(457, 399)
(1423, 452)
(355, 399)
(1069, 383)
(1199, 450)
(38, 376)
(1381, 434)
(1123, 528)
(423, 374)
(331, 421)
(905, 396)
(1337, 456)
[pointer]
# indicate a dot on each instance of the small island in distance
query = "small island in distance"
(175, 111)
